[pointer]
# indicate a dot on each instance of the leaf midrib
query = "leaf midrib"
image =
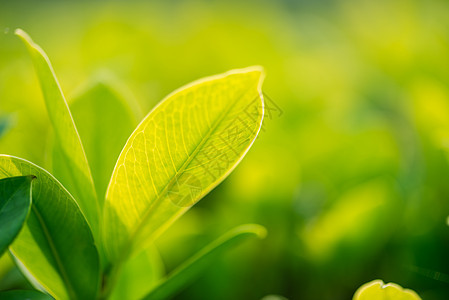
(164, 191)
(55, 253)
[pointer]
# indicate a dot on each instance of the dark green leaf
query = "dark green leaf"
(24, 295)
(55, 246)
(15, 202)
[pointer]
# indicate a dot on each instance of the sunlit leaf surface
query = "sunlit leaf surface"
(357, 91)
(186, 146)
(56, 245)
(377, 290)
(15, 201)
(72, 167)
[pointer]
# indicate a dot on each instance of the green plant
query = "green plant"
(77, 238)
(377, 289)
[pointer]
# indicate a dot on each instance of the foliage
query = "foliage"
(15, 203)
(378, 290)
(164, 169)
(348, 174)
(20, 295)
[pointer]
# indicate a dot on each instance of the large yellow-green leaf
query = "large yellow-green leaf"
(73, 169)
(15, 202)
(56, 245)
(104, 121)
(377, 290)
(182, 149)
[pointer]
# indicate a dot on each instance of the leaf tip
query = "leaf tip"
(261, 231)
(256, 229)
(23, 35)
(26, 39)
(29, 43)
(257, 69)
(19, 31)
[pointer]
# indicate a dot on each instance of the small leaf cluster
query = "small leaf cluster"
(86, 230)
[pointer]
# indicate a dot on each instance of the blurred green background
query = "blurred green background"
(350, 172)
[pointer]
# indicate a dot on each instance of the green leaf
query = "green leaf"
(189, 270)
(15, 202)
(72, 169)
(138, 276)
(56, 245)
(104, 121)
(376, 289)
(24, 295)
(185, 147)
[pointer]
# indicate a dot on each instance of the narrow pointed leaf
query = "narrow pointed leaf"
(189, 271)
(104, 121)
(15, 202)
(184, 148)
(56, 245)
(23, 294)
(376, 289)
(73, 169)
